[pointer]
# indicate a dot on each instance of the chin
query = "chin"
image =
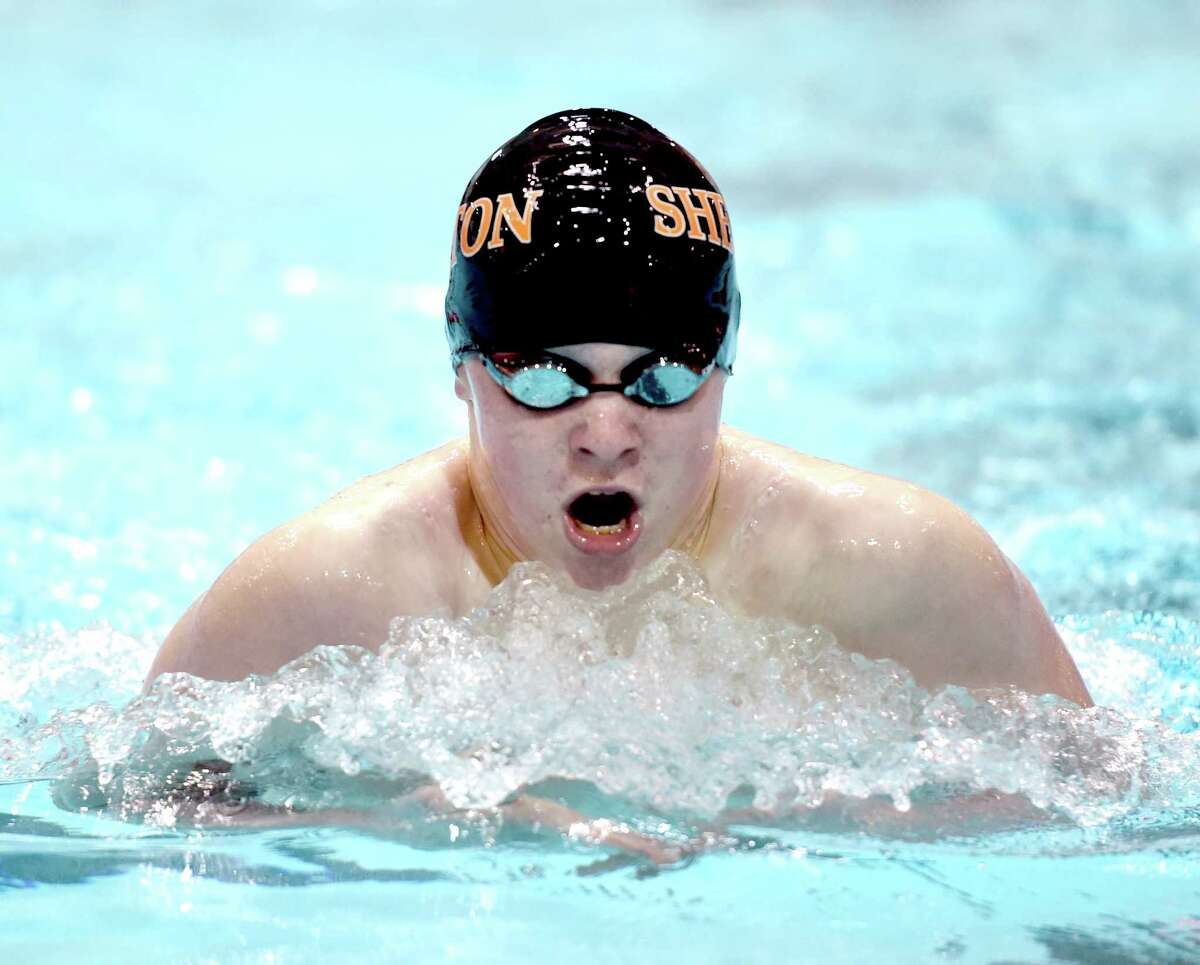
(594, 574)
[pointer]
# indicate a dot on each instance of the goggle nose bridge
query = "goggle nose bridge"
(581, 385)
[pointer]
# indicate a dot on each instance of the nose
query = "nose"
(607, 434)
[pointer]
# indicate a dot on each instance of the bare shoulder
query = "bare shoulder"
(895, 570)
(387, 545)
(819, 510)
(809, 530)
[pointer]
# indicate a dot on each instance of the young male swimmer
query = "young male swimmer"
(592, 315)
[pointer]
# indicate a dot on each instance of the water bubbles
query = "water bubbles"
(649, 693)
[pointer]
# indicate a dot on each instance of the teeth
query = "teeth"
(602, 530)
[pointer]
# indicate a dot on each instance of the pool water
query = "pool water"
(967, 240)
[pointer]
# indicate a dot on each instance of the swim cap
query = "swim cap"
(592, 226)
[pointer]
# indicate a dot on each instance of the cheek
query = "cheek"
(700, 427)
(694, 460)
(520, 457)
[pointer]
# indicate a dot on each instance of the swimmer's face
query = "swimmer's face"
(600, 486)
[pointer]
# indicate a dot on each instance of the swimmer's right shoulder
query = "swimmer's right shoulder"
(382, 547)
(426, 487)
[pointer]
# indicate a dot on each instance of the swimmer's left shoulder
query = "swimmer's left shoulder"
(838, 526)
(894, 569)
(792, 527)
(831, 528)
(835, 500)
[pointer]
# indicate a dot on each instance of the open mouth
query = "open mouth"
(603, 523)
(602, 514)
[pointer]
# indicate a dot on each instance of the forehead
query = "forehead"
(601, 355)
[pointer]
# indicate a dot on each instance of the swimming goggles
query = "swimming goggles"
(543, 380)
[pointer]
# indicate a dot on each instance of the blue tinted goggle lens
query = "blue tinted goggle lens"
(667, 383)
(542, 385)
(550, 381)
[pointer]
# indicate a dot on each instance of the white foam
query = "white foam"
(650, 692)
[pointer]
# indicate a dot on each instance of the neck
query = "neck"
(492, 545)
(693, 535)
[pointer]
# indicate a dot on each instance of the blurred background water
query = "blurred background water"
(967, 235)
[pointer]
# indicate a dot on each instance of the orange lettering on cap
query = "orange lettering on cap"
(718, 205)
(660, 196)
(695, 212)
(454, 242)
(469, 247)
(521, 225)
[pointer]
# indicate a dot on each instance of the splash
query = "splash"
(649, 693)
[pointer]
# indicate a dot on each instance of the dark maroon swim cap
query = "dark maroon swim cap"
(592, 226)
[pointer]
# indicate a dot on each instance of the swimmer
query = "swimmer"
(592, 316)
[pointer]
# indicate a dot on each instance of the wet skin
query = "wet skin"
(526, 466)
(892, 569)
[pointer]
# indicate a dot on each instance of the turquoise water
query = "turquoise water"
(967, 240)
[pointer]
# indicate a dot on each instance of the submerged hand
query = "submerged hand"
(537, 812)
(208, 796)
